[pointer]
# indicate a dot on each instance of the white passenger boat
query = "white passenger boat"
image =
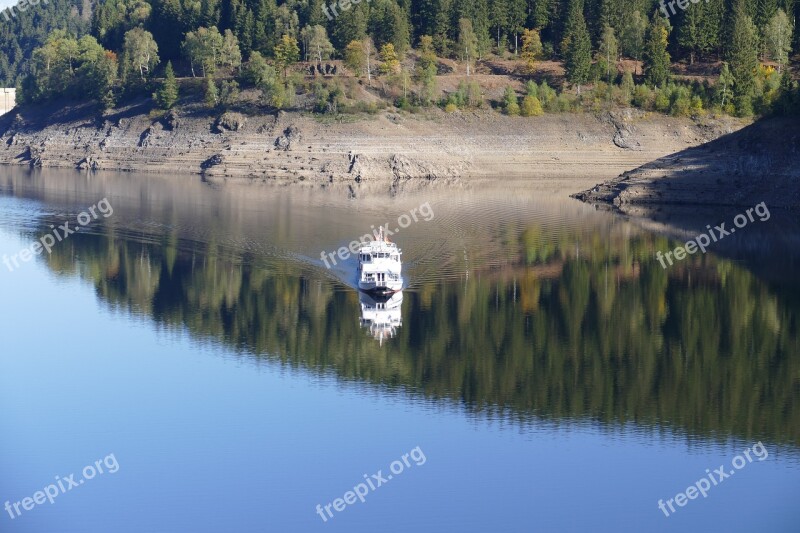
(379, 266)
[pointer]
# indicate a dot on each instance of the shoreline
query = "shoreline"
(758, 163)
(390, 152)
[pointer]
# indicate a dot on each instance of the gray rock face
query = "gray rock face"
(88, 163)
(290, 135)
(229, 122)
(759, 163)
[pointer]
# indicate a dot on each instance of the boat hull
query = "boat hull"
(386, 287)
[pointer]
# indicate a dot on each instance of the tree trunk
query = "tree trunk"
(369, 74)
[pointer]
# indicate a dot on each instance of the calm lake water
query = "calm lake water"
(541, 371)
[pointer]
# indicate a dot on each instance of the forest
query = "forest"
(680, 57)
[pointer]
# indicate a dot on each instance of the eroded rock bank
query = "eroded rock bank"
(759, 163)
(389, 152)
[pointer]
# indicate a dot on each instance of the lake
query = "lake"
(186, 362)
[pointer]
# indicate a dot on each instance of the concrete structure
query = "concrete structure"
(8, 99)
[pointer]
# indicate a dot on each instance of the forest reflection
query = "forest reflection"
(582, 327)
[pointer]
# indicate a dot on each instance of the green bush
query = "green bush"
(531, 107)
(563, 103)
(510, 105)
(697, 105)
(627, 88)
(469, 94)
(643, 97)
(680, 102)
(663, 100)
(547, 96)
(228, 93)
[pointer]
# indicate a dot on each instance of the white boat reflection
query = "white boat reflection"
(381, 315)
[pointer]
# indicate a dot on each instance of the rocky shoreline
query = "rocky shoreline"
(759, 163)
(388, 152)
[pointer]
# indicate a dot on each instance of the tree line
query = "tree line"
(71, 48)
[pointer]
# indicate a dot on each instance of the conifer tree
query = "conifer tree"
(167, 94)
(656, 57)
(743, 59)
(577, 46)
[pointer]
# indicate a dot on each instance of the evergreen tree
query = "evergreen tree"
(691, 36)
(167, 94)
(613, 12)
(349, 28)
(765, 10)
(498, 20)
(516, 20)
(743, 59)
(510, 104)
(210, 94)
(656, 57)
(632, 38)
(388, 23)
(577, 46)
(480, 23)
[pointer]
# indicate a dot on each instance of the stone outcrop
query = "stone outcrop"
(759, 163)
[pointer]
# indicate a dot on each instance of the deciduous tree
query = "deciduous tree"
(140, 52)
(286, 53)
(531, 48)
